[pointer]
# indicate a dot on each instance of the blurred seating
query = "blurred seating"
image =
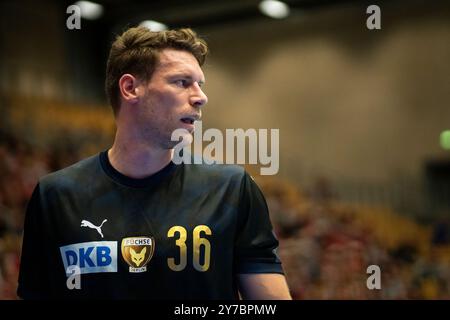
(326, 247)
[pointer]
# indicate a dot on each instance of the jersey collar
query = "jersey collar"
(132, 182)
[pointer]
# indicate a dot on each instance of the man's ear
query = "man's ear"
(128, 86)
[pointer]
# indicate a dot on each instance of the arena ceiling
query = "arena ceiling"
(195, 13)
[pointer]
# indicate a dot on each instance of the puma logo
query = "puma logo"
(137, 258)
(85, 223)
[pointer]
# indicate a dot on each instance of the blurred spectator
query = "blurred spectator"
(441, 231)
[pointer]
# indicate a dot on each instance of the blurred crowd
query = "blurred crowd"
(326, 246)
(20, 168)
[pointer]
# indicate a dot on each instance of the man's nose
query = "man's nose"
(198, 97)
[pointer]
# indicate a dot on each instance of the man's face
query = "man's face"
(172, 98)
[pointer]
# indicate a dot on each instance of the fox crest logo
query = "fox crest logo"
(137, 252)
(137, 258)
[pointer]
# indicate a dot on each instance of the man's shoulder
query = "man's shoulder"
(74, 174)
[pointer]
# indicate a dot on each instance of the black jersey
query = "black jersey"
(183, 233)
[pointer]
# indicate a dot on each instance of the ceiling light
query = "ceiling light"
(153, 25)
(90, 10)
(274, 9)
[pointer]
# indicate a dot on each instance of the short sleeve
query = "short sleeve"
(33, 274)
(255, 244)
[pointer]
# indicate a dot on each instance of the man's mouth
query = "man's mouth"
(188, 120)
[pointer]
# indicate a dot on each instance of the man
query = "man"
(130, 222)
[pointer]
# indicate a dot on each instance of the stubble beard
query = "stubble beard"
(157, 138)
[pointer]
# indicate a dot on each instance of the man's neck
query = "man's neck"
(138, 160)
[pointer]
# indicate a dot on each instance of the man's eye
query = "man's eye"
(182, 83)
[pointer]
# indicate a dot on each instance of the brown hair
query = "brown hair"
(136, 52)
